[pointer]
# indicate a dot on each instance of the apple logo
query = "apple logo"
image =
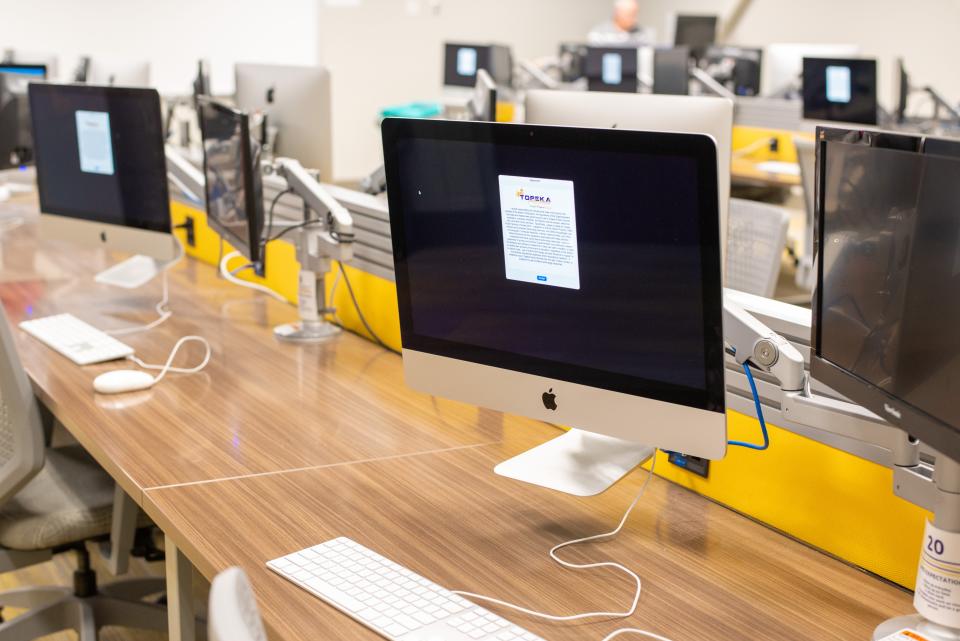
(550, 400)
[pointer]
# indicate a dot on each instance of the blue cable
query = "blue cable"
(763, 424)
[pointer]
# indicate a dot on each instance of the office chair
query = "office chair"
(53, 500)
(233, 614)
(756, 237)
(807, 158)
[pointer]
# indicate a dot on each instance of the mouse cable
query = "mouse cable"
(163, 310)
(167, 367)
(585, 566)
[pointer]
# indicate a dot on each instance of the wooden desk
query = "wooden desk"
(261, 406)
(745, 170)
(276, 447)
(708, 573)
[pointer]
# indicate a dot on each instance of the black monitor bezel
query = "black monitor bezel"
(809, 61)
(252, 191)
(629, 82)
(153, 96)
(932, 431)
(700, 147)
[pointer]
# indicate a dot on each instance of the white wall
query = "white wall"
(386, 52)
(171, 34)
(923, 32)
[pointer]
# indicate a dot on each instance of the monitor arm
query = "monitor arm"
(937, 597)
(319, 240)
(185, 175)
(376, 182)
(710, 83)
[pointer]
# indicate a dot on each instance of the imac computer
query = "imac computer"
(531, 280)
(783, 64)
(462, 61)
(695, 32)
(671, 71)
(612, 69)
(482, 106)
(887, 303)
(685, 114)
(840, 90)
(101, 167)
(234, 190)
(736, 68)
(296, 103)
(116, 73)
(16, 143)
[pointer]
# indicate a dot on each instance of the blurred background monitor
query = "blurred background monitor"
(296, 103)
(671, 71)
(571, 59)
(462, 61)
(612, 69)
(840, 90)
(736, 68)
(695, 32)
(16, 139)
(234, 191)
(115, 73)
(783, 63)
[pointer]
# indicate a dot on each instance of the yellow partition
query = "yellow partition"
(744, 137)
(826, 498)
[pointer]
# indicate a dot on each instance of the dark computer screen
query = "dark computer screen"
(888, 304)
(671, 71)
(99, 154)
(695, 32)
(461, 62)
(532, 253)
(231, 159)
(840, 90)
(611, 69)
(16, 141)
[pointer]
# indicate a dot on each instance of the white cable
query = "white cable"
(244, 283)
(163, 314)
(644, 633)
(166, 367)
(584, 566)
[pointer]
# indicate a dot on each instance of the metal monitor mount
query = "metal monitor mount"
(319, 240)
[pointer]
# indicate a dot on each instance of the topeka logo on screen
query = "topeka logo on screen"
(537, 199)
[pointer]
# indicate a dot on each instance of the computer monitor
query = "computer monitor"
(566, 274)
(686, 114)
(16, 141)
(736, 68)
(571, 59)
(483, 104)
(886, 309)
(671, 71)
(612, 69)
(840, 90)
(461, 62)
(695, 32)
(234, 189)
(101, 168)
(296, 100)
(783, 63)
(118, 73)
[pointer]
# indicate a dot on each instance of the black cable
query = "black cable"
(363, 319)
(273, 205)
(283, 233)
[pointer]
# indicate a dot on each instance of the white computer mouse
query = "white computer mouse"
(123, 380)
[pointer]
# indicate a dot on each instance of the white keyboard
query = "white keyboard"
(81, 343)
(390, 599)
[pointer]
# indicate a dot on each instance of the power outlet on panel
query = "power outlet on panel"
(695, 464)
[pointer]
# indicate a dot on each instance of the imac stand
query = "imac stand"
(131, 273)
(577, 462)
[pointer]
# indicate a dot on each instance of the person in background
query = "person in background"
(623, 29)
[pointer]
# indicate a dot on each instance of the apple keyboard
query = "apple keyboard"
(81, 343)
(391, 600)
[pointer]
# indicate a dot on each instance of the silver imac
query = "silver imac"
(296, 101)
(647, 112)
(116, 73)
(101, 168)
(532, 280)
